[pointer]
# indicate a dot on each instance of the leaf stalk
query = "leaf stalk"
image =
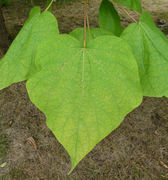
(85, 22)
(48, 7)
(127, 13)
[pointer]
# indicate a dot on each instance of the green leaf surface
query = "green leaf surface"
(18, 63)
(132, 4)
(109, 18)
(150, 47)
(84, 93)
(90, 34)
(33, 13)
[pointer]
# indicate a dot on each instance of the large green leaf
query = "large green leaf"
(150, 47)
(18, 64)
(109, 18)
(90, 34)
(132, 4)
(85, 93)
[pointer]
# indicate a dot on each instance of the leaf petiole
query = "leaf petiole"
(127, 13)
(85, 23)
(50, 4)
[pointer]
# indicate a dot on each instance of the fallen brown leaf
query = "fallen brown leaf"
(32, 142)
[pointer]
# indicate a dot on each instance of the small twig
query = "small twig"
(48, 7)
(163, 164)
(87, 21)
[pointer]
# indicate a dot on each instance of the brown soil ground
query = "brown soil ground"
(137, 150)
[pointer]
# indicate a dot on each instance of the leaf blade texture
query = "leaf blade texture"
(84, 93)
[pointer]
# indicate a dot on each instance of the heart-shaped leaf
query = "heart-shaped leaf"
(109, 19)
(150, 47)
(18, 64)
(132, 4)
(84, 92)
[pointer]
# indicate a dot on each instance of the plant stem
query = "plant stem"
(127, 13)
(88, 25)
(134, 20)
(85, 17)
(48, 7)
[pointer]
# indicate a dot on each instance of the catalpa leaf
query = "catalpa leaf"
(18, 63)
(132, 4)
(85, 93)
(90, 34)
(109, 19)
(150, 47)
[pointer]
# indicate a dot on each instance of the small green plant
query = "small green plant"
(88, 81)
